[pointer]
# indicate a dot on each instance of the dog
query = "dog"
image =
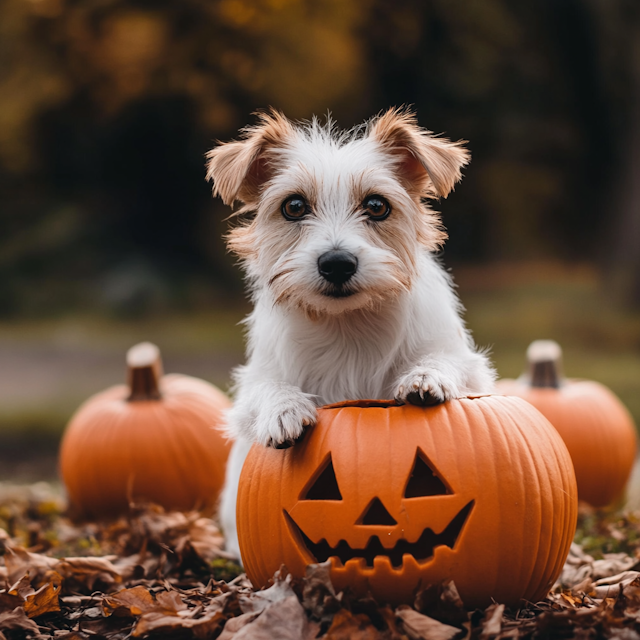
(339, 247)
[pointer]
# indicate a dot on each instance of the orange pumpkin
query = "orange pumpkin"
(596, 427)
(154, 439)
(480, 490)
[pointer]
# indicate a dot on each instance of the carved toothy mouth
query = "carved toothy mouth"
(422, 549)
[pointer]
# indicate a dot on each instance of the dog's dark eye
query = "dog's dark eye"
(376, 207)
(294, 208)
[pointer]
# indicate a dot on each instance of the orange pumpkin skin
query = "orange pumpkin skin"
(507, 496)
(166, 451)
(597, 429)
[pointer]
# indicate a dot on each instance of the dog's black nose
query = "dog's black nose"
(337, 266)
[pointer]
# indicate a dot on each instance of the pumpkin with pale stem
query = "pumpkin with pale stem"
(596, 427)
(479, 490)
(154, 439)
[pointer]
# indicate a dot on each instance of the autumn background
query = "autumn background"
(109, 235)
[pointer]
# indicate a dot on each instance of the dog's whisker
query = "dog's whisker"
(280, 274)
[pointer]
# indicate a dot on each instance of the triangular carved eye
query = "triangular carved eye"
(376, 513)
(425, 480)
(325, 484)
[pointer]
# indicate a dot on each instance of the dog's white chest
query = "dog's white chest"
(341, 362)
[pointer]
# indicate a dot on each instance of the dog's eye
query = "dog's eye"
(294, 208)
(376, 207)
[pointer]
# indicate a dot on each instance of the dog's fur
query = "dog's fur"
(395, 329)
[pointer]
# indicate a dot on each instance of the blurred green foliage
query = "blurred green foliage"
(108, 106)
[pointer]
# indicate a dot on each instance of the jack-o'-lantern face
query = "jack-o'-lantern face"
(396, 498)
(376, 533)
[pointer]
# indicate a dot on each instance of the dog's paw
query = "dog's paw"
(282, 424)
(425, 388)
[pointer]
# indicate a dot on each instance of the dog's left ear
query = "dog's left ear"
(239, 169)
(426, 164)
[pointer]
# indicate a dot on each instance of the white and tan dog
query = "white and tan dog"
(350, 302)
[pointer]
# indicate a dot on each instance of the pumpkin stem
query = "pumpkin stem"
(144, 372)
(544, 359)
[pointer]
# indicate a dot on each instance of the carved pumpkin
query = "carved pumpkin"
(596, 427)
(151, 440)
(480, 490)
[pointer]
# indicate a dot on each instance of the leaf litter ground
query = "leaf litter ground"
(165, 575)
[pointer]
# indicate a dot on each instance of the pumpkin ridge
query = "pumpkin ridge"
(539, 578)
(516, 460)
(487, 416)
(534, 581)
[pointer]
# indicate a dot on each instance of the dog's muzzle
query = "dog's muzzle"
(337, 267)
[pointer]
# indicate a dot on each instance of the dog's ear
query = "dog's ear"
(427, 164)
(240, 168)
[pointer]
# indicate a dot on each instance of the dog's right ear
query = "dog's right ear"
(239, 169)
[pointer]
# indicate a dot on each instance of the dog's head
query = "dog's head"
(336, 219)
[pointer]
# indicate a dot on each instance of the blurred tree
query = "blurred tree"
(108, 106)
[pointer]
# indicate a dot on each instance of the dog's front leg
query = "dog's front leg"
(440, 377)
(273, 414)
(269, 413)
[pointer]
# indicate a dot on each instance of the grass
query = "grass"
(509, 306)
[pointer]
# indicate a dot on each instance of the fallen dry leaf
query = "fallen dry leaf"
(233, 625)
(129, 602)
(45, 599)
(260, 600)
(346, 626)
(162, 622)
(19, 562)
(492, 623)
(17, 620)
(9, 602)
(88, 571)
(420, 627)
(22, 588)
(205, 539)
(282, 620)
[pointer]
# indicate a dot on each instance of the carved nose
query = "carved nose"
(337, 266)
(376, 513)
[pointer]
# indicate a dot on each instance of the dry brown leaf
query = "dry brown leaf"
(170, 601)
(611, 565)
(22, 588)
(159, 621)
(610, 587)
(9, 602)
(19, 561)
(87, 571)
(17, 619)
(205, 539)
(282, 620)
(421, 627)
(346, 626)
(492, 623)
(318, 595)
(176, 617)
(233, 625)
(129, 602)
(260, 600)
(44, 600)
